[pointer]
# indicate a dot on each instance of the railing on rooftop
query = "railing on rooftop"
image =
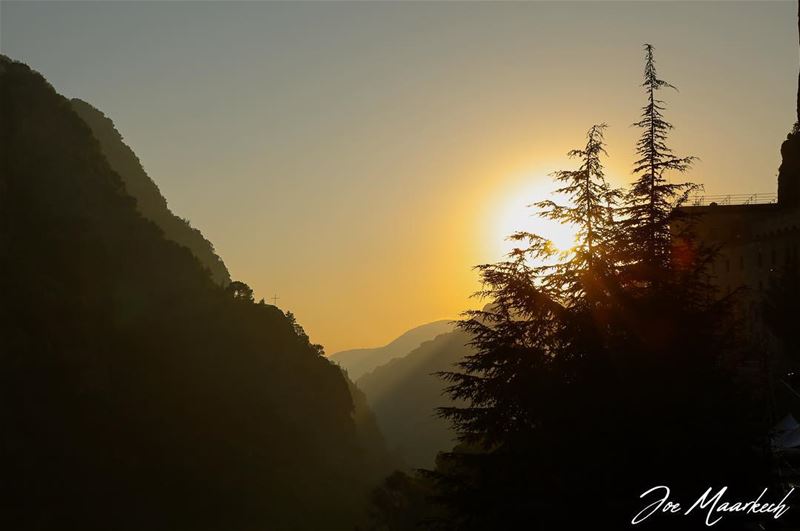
(732, 199)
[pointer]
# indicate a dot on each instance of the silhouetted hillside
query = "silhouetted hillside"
(370, 437)
(135, 393)
(404, 394)
(148, 197)
(360, 361)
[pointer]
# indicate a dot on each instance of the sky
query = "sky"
(358, 159)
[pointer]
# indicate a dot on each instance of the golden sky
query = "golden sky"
(358, 159)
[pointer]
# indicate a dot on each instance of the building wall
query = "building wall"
(756, 245)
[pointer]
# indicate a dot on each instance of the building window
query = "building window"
(727, 265)
(760, 260)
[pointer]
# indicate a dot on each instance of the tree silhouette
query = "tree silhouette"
(240, 291)
(570, 344)
(538, 359)
(528, 326)
(651, 201)
(590, 210)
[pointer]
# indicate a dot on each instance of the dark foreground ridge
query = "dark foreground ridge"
(138, 394)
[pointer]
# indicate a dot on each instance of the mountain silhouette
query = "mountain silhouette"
(360, 361)
(149, 201)
(404, 394)
(135, 392)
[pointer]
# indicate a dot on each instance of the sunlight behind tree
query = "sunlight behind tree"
(515, 214)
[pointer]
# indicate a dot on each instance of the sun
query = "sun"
(514, 214)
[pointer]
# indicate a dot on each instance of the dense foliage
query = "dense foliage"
(136, 393)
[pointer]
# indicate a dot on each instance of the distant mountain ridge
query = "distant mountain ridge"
(360, 361)
(404, 394)
(149, 200)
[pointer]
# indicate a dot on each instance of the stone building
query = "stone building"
(758, 242)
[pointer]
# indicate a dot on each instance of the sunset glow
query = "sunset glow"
(359, 179)
(516, 213)
(337, 266)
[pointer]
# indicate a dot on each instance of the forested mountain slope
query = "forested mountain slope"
(404, 394)
(360, 361)
(135, 392)
(149, 201)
